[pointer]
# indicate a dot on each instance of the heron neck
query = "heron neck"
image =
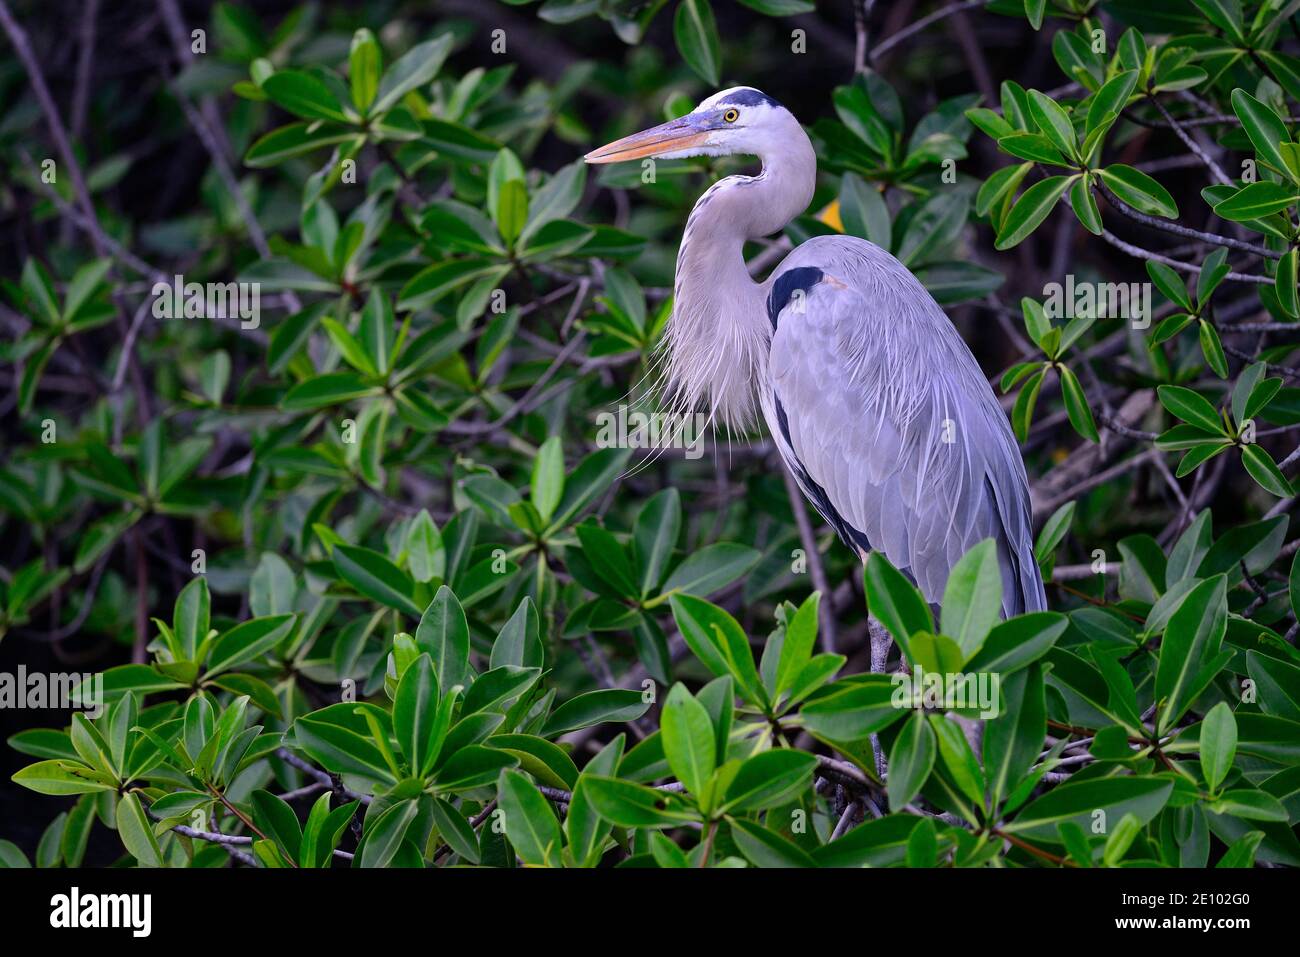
(718, 335)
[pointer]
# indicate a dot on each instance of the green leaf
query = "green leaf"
(136, 833)
(1031, 209)
(596, 707)
(303, 95)
(276, 820)
(412, 70)
(593, 477)
(583, 826)
(191, 616)
(246, 641)
(415, 715)
(1212, 349)
(519, 643)
(426, 557)
(1287, 297)
(1190, 646)
(711, 568)
(511, 210)
(911, 760)
(625, 804)
(1255, 201)
(1250, 804)
(556, 199)
(322, 391)
(547, 762)
(688, 740)
(1110, 100)
(972, 599)
(696, 34)
(720, 643)
(456, 831)
(854, 711)
(769, 779)
(530, 823)
(1076, 405)
(1080, 801)
(797, 645)
(1012, 741)
(294, 140)
(765, 848)
(1054, 122)
(1032, 146)
(894, 601)
(63, 777)
(1084, 205)
(1139, 190)
(443, 632)
(383, 839)
(1190, 407)
(376, 577)
(1218, 744)
(339, 738)
(1054, 531)
(1121, 838)
(654, 535)
(363, 69)
(1265, 129)
(863, 210)
(1170, 284)
(1264, 470)
(473, 767)
(1213, 271)
(959, 760)
(877, 843)
(1277, 682)
(548, 477)
(1242, 851)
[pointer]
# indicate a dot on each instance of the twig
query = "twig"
(911, 29)
(322, 777)
(1184, 231)
(1191, 144)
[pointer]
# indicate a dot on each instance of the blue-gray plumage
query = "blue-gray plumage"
(874, 401)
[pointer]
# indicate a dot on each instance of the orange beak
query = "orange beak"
(668, 137)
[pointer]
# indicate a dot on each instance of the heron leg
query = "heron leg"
(880, 642)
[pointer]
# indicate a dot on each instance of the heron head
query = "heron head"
(739, 120)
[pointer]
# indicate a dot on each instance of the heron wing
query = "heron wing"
(886, 420)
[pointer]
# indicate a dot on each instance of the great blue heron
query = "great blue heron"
(872, 398)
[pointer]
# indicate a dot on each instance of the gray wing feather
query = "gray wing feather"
(874, 400)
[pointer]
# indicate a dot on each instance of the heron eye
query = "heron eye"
(731, 115)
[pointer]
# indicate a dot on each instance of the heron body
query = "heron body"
(873, 399)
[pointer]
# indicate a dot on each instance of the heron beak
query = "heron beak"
(677, 134)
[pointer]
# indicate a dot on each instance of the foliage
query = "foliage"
(390, 600)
